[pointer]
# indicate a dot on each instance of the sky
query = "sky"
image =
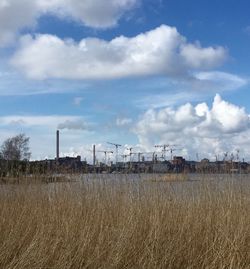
(135, 72)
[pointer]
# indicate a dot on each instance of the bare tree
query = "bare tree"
(16, 148)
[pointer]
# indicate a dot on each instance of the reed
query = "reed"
(104, 222)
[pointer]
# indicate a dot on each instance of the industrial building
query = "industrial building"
(66, 165)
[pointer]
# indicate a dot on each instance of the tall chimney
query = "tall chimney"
(94, 158)
(57, 144)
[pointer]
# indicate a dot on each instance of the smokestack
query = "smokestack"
(57, 144)
(94, 158)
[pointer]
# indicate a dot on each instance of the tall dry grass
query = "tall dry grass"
(102, 223)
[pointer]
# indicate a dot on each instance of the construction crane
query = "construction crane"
(225, 156)
(237, 154)
(141, 154)
(130, 153)
(171, 152)
(124, 157)
(106, 152)
(116, 148)
(164, 149)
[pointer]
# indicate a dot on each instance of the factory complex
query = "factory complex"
(155, 162)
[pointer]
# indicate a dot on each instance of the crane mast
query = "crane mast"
(116, 150)
(106, 152)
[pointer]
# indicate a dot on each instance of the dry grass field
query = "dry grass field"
(112, 223)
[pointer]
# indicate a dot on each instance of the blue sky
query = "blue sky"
(136, 72)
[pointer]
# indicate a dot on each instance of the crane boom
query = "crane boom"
(106, 152)
(116, 147)
(164, 149)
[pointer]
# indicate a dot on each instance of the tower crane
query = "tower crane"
(106, 152)
(116, 148)
(141, 154)
(164, 149)
(124, 157)
(225, 156)
(171, 152)
(130, 153)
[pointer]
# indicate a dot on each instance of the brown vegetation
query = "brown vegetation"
(104, 223)
(174, 177)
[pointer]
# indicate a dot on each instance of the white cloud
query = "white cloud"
(93, 13)
(15, 15)
(13, 83)
(201, 85)
(74, 125)
(18, 14)
(166, 99)
(208, 131)
(224, 127)
(87, 152)
(121, 122)
(39, 121)
(158, 51)
(42, 133)
(197, 57)
(220, 81)
(231, 118)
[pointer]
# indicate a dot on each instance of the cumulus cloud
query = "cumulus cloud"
(12, 18)
(93, 13)
(39, 121)
(197, 57)
(121, 122)
(54, 121)
(160, 51)
(73, 125)
(197, 129)
(18, 14)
